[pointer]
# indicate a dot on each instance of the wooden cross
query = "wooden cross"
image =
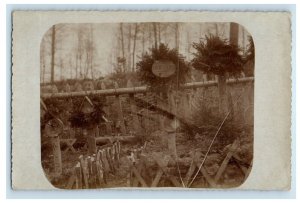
(163, 167)
(225, 162)
(69, 143)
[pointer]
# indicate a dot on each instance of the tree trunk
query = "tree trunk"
(155, 35)
(234, 33)
(217, 30)
(129, 49)
(159, 37)
(52, 53)
(92, 52)
(223, 100)
(222, 86)
(122, 44)
(61, 68)
(143, 40)
(176, 36)
(133, 49)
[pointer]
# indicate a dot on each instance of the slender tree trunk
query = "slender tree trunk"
(133, 49)
(222, 86)
(234, 33)
(150, 36)
(61, 68)
(176, 36)
(155, 35)
(52, 53)
(159, 37)
(143, 40)
(129, 49)
(71, 67)
(217, 30)
(188, 47)
(92, 52)
(122, 44)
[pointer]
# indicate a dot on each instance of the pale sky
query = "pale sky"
(105, 40)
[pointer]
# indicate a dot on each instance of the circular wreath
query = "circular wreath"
(145, 74)
(217, 56)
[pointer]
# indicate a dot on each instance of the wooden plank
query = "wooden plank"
(78, 173)
(69, 143)
(103, 164)
(157, 178)
(189, 173)
(71, 182)
(94, 174)
(109, 158)
(129, 178)
(163, 167)
(207, 177)
(195, 160)
(83, 164)
(105, 161)
(226, 160)
(139, 177)
(99, 168)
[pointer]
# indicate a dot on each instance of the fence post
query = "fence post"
(120, 114)
(92, 145)
(135, 119)
(78, 176)
(55, 142)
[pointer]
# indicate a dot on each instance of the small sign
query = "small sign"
(163, 69)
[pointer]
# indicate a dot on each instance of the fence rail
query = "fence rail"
(136, 90)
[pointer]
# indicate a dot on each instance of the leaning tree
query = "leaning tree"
(220, 57)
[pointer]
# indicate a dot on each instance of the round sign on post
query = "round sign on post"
(163, 68)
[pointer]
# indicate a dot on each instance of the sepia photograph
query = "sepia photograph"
(152, 104)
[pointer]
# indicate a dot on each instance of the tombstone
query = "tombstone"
(116, 86)
(67, 87)
(129, 83)
(54, 89)
(78, 87)
(103, 87)
(88, 85)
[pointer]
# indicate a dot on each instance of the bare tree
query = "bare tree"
(122, 43)
(155, 35)
(176, 36)
(52, 53)
(128, 48)
(134, 45)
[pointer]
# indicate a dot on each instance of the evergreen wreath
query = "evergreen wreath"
(217, 56)
(160, 84)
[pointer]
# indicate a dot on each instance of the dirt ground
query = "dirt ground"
(157, 144)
